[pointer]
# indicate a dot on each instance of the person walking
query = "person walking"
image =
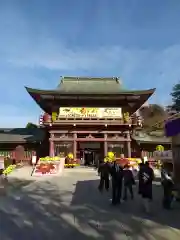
(104, 172)
(140, 178)
(128, 182)
(117, 177)
(168, 186)
(147, 177)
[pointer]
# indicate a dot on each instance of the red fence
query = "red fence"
(12, 155)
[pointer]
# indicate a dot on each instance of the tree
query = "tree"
(176, 97)
(153, 116)
(31, 125)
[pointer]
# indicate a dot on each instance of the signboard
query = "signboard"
(42, 169)
(34, 159)
(19, 153)
(90, 113)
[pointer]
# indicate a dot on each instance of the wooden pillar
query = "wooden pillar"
(128, 145)
(105, 144)
(75, 145)
(51, 148)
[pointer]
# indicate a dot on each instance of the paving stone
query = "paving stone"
(71, 207)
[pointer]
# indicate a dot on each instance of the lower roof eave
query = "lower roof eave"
(56, 92)
(153, 142)
(20, 142)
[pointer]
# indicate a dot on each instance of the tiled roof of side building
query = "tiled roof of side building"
(21, 135)
(153, 137)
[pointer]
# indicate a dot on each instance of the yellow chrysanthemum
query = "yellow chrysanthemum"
(70, 156)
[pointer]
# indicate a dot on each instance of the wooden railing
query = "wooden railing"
(12, 155)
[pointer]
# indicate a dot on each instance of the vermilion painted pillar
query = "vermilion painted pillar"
(128, 145)
(75, 146)
(51, 148)
(105, 145)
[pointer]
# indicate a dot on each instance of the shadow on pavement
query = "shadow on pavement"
(129, 214)
(40, 210)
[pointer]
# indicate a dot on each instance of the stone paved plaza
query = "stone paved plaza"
(70, 207)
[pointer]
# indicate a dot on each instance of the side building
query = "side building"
(29, 141)
(172, 128)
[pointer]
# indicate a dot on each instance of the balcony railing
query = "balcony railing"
(47, 120)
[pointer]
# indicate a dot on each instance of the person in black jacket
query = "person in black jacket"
(168, 186)
(140, 176)
(128, 182)
(103, 171)
(117, 177)
(147, 177)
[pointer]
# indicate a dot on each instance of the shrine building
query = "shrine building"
(89, 117)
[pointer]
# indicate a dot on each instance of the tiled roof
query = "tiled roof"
(85, 85)
(153, 137)
(21, 135)
(94, 85)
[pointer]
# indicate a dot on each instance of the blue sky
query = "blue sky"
(41, 40)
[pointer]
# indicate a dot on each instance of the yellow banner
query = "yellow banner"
(90, 113)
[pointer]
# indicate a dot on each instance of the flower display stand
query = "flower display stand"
(48, 167)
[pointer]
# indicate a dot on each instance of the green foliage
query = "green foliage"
(176, 97)
(31, 125)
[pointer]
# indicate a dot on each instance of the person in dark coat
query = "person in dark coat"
(117, 176)
(146, 185)
(168, 187)
(104, 172)
(128, 182)
(141, 165)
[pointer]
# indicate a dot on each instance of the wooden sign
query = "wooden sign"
(34, 159)
(19, 153)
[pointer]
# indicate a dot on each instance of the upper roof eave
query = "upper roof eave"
(58, 91)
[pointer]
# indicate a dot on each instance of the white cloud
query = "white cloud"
(139, 69)
(27, 52)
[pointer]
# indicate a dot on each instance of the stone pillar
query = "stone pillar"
(51, 148)
(105, 144)
(75, 145)
(128, 145)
